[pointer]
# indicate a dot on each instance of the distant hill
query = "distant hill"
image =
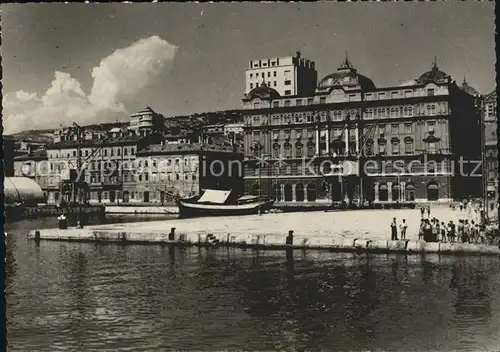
(42, 136)
(173, 125)
(47, 135)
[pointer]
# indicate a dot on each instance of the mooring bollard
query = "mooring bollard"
(171, 235)
(289, 238)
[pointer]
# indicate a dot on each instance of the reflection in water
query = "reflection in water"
(81, 297)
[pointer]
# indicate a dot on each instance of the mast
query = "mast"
(77, 194)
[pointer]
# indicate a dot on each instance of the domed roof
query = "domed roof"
(346, 76)
(434, 75)
(468, 89)
(262, 92)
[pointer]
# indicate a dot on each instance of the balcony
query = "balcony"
(111, 184)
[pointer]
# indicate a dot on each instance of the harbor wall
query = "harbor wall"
(127, 209)
(41, 211)
(272, 241)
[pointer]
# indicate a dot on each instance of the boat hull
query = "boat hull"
(192, 210)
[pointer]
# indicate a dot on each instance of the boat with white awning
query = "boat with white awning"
(222, 203)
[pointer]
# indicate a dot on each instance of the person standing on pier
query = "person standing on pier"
(452, 233)
(62, 222)
(403, 228)
(443, 231)
(460, 228)
(437, 230)
(394, 230)
(421, 230)
(466, 232)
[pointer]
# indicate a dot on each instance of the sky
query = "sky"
(93, 63)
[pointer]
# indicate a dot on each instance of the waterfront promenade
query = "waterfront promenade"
(342, 230)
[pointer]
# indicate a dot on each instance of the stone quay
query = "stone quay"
(363, 230)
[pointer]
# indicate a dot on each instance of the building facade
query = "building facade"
(490, 154)
(8, 156)
(352, 141)
(35, 166)
(103, 160)
(164, 170)
(290, 75)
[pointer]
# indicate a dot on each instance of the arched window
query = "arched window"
(369, 147)
(338, 146)
(126, 196)
(298, 150)
(288, 193)
(432, 191)
(395, 192)
(288, 150)
(277, 192)
(299, 192)
(310, 149)
(395, 145)
(383, 194)
(491, 175)
(410, 192)
(408, 145)
(255, 189)
(57, 195)
(324, 190)
(311, 192)
(276, 150)
(381, 146)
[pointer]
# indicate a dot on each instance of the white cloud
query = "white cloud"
(117, 80)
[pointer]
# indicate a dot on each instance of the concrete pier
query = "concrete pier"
(360, 231)
(121, 209)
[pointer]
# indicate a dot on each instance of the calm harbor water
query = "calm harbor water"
(108, 297)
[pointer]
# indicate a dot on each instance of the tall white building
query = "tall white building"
(289, 75)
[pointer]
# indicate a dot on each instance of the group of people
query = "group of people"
(394, 229)
(473, 208)
(432, 229)
(464, 232)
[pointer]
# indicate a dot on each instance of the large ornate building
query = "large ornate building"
(353, 141)
(491, 151)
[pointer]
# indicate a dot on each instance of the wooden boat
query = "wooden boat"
(221, 203)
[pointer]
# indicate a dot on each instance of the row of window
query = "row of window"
(265, 63)
(258, 75)
(142, 177)
(370, 113)
(395, 129)
(100, 152)
(300, 191)
(407, 111)
(491, 110)
(310, 148)
(396, 95)
(323, 100)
